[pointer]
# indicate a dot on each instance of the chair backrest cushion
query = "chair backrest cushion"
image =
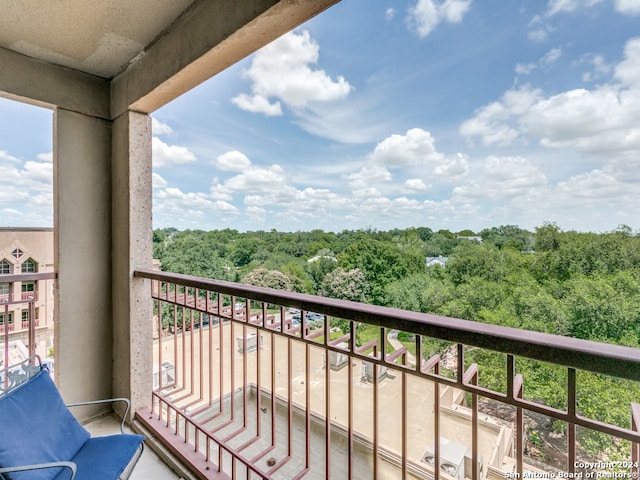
(37, 427)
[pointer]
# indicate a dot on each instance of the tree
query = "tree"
(268, 279)
(318, 269)
(380, 261)
(508, 236)
(300, 280)
(351, 285)
(547, 237)
(440, 244)
(193, 255)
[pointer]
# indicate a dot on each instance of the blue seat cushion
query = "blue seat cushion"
(37, 427)
(105, 458)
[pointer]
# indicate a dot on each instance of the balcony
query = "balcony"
(250, 393)
(29, 296)
(8, 327)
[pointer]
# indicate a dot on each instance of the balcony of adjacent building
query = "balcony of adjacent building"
(25, 313)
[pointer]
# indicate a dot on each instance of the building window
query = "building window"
(5, 268)
(28, 287)
(3, 318)
(17, 254)
(5, 288)
(25, 315)
(29, 266)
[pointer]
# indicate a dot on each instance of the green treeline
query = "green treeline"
(583, 285)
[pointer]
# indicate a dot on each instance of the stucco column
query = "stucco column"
(131, 249)
(82, 251)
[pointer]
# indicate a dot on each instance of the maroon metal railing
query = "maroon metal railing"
(246, 389)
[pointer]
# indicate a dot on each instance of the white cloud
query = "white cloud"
(368, 174)
(160, 128)
(174, 201)
(525, 68)
(599, 66)
(157, 181)
(165, 155)
(282, 71)
(551, 56)
(366, 193)
(413, 153)
(425, 15)
(257, 179)
(233, 161)
(604, 120)
(625, 7)
(539, 31)
(416, 147)
(38, 174)
(26, 183)
(494, 123)
(629, 7)
(559, 6)
(502, 178)
(389, 13)
(595, 185)
(453, 167)
(628, 71)
(45, 157)
(257, 104)
(414, 185)
(5, 157)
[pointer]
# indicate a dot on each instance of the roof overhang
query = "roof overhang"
(103, 58)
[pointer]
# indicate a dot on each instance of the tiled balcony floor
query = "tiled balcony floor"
(150, 466)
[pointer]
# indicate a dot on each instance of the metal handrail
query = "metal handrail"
(614, 360)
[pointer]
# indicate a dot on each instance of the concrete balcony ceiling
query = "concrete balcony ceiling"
(95, 37)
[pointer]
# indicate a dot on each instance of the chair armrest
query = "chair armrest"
(107, 400)
(39, 466)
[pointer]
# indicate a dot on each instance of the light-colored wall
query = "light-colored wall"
(82, 248)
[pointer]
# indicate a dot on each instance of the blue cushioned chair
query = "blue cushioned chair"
(41, 440)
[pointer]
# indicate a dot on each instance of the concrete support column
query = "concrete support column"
(132, 234)
(82, 251)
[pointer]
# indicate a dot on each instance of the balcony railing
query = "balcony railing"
(29, 296)
(28, 301)
(246, 388)
(8, 327)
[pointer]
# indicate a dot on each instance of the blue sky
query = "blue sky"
(389, 114)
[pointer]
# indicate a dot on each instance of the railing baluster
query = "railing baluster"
(307, 413)
(404, 423)
(571, 410)
(327, 400)
(635, 446)
(352, 346)
(376, 409)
